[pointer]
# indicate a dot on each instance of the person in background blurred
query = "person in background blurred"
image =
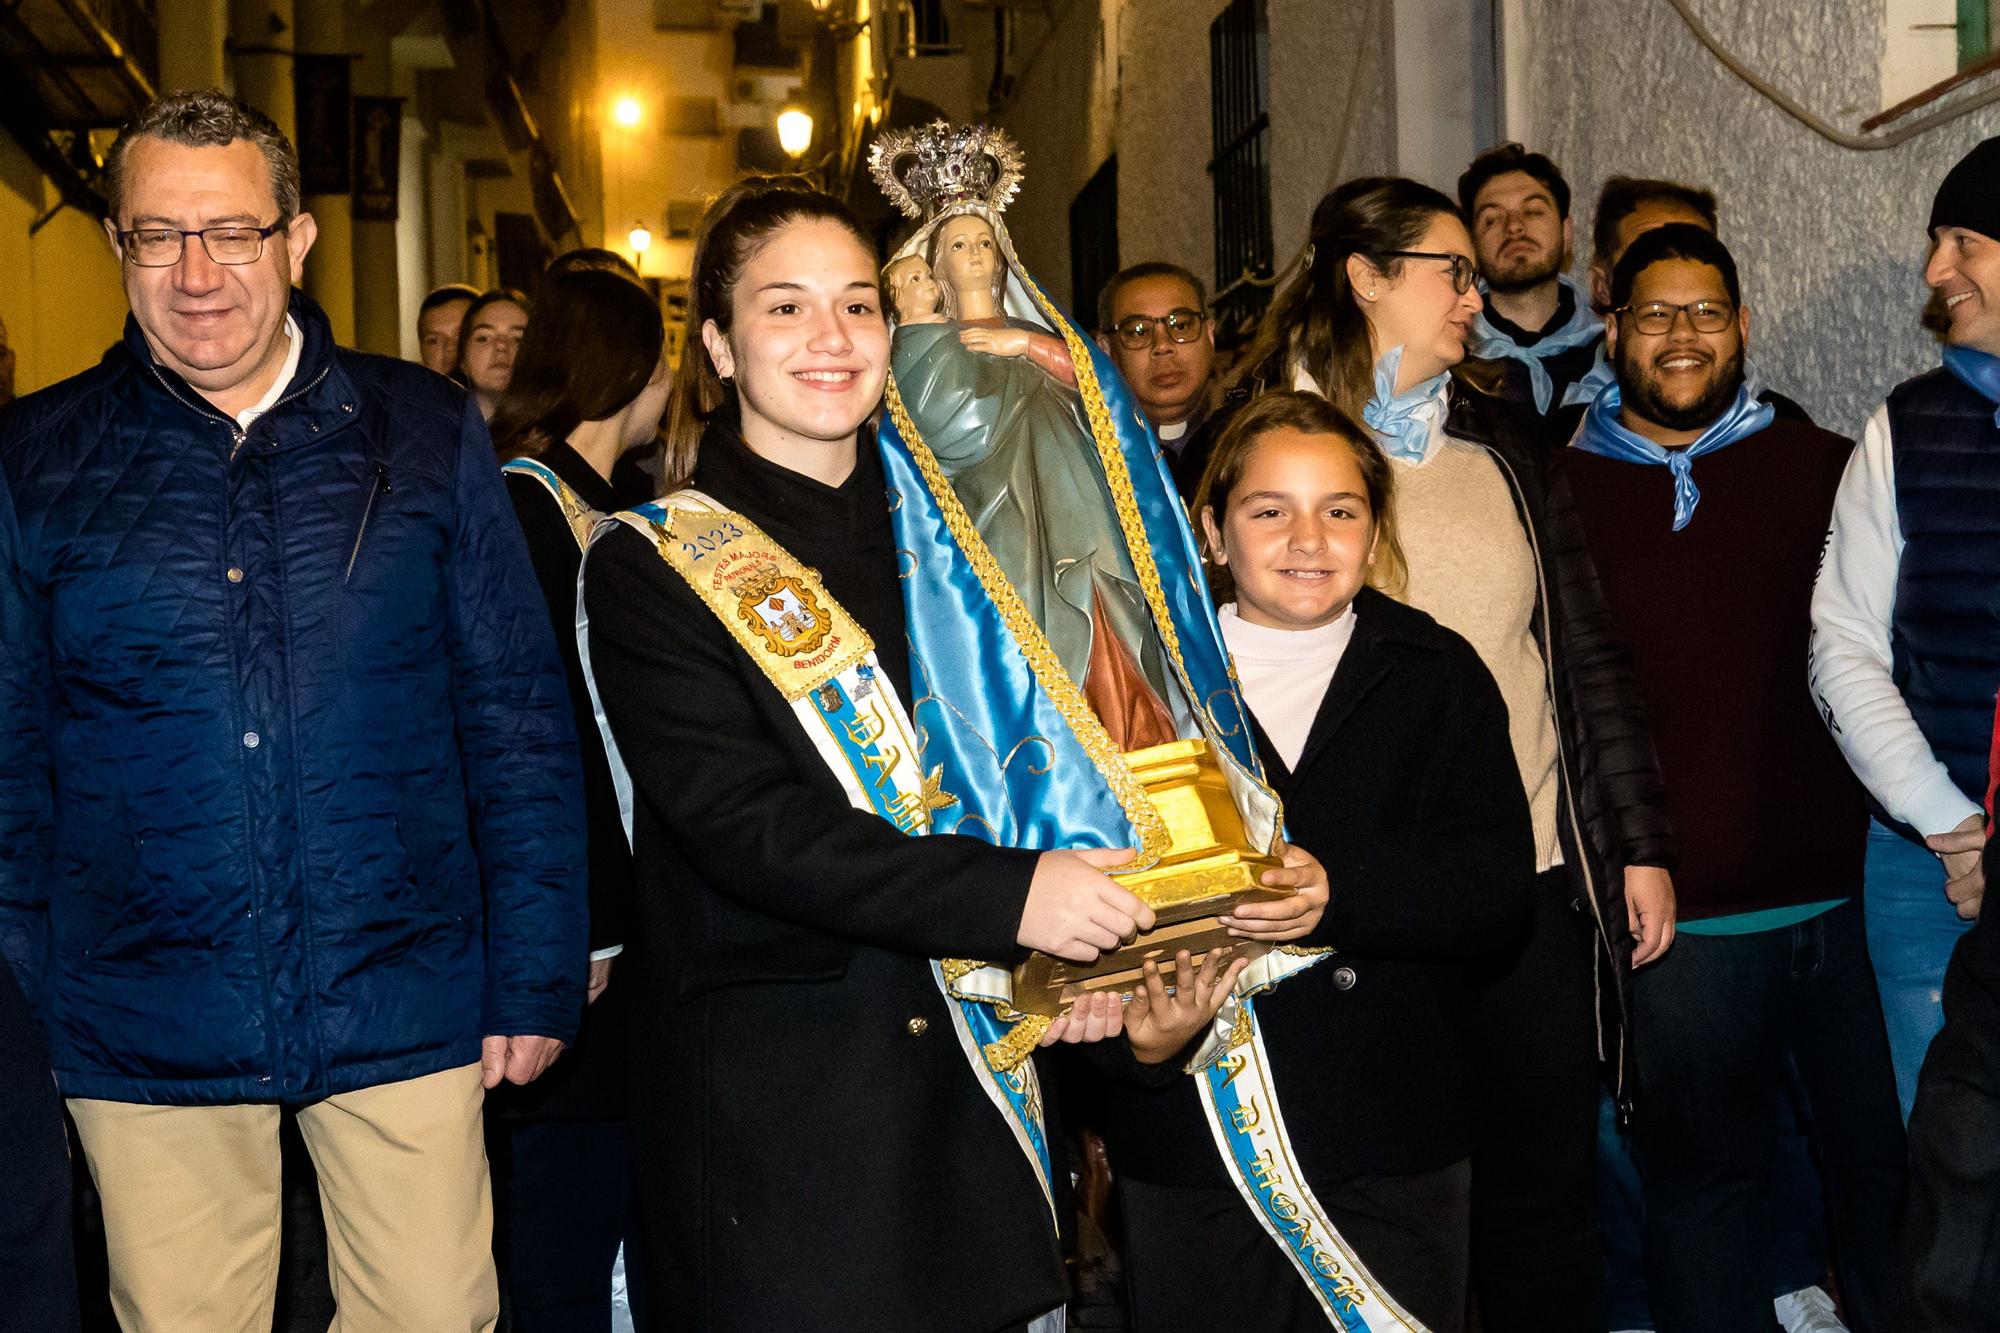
(439, 320)
(590, 383)
(487, 343)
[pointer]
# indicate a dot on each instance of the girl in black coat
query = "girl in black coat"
(1387, 739)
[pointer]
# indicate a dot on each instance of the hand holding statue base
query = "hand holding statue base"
(1208, 871)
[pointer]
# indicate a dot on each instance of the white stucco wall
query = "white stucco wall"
(1830, 241)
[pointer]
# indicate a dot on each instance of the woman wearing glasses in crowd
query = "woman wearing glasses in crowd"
(1376, 320)
(488, 340)
(589, 386)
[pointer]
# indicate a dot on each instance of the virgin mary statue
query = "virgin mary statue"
(1032, 504)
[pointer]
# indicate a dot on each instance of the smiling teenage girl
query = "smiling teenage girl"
(821, 1142)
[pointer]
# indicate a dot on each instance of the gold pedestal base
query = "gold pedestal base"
(1209, 868)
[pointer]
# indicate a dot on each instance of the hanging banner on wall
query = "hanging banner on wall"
(326, 125)
(378, 143)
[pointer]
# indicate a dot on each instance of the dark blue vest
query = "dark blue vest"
(1945, 632)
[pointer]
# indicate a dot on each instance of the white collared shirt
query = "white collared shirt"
(282, 383)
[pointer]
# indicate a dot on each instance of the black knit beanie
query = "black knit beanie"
(1970, 195)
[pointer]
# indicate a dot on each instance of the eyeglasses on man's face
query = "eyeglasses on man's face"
(161, 247)
(1463, 270)
(1135, 332)
(1657, 317)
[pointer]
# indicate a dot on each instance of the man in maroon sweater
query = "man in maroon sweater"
(1706, 514)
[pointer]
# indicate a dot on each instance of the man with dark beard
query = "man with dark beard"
(1705, 511)
(1517, 205)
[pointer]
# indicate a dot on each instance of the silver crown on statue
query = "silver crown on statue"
(928, 170)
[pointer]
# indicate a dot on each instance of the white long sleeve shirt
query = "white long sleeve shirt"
(1850, 660)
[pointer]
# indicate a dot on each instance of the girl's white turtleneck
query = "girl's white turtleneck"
(1285, 673)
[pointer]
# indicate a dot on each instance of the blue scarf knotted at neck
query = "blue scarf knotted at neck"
(1582, 325)
(1604, 434)
(1977, 371)
(1399, 421)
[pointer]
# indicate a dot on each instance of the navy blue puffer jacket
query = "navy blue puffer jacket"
(289, 794)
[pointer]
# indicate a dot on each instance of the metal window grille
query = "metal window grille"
(1093, 241)
(923, 28)
(1239, 73)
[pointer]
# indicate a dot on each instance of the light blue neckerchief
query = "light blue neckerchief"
(1977, 371)
(1595, 381)
(1605, 435)
(1583, 325)
(1399, 422)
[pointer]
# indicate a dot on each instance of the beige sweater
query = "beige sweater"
(1472, 569)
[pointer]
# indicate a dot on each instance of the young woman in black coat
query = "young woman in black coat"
(589, 385)
(1387, 739)
(815, 1150)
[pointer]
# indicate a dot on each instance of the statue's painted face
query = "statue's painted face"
(913, 290)
(965, 254)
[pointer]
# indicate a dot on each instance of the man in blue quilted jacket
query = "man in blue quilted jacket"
(290, 806)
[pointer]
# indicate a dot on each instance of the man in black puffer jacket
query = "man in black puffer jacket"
(290, 805)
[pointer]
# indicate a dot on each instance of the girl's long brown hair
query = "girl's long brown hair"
(1309, 414)
(1315, 322)
(591, 348)
(738, 223)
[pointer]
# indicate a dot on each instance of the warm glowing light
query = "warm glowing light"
(795, 131)
(641, 239)
(627, 112)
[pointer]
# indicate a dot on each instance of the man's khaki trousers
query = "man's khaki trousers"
(191, 1206)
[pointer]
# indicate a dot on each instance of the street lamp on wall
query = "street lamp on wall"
(641, 240)
(795, 131)
(628, 112)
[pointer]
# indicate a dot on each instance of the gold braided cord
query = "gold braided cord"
(1111, 457)
(1006, 1054)
(1047, 668)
